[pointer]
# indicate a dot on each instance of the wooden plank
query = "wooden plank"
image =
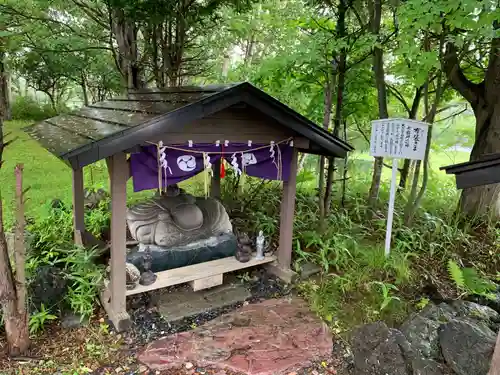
(215, 185)
(287, 215)
(198, 271)
(121, 321)
(478, 177)
(175, 97)
(207, 282)
(180, 89)
(115, 116)
(229, 124)
(78, 206)
(55, 139)
(285, 274)
(118, 164)
(495, 361)
(132, 106)
(85, 127)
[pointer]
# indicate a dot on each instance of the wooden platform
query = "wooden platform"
(210, 271)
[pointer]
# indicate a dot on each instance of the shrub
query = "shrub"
(27, 108)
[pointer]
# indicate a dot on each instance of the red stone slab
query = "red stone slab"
(268, 338)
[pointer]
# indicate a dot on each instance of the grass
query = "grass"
(358, 284)
(47, 176)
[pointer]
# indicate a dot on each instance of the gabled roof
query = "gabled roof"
(105, 128)
(480, 172)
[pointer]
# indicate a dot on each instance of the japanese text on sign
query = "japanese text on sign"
(398, 138)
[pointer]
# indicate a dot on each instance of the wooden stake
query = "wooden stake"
(495, 361)
(19, 242)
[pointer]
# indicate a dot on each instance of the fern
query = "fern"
(468, 281)
(456, 274)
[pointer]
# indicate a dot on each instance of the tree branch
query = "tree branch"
(451, 67)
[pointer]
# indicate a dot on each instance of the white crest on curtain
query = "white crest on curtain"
(186, 163)
(248, 158)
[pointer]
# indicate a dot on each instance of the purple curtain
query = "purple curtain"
(184, 162)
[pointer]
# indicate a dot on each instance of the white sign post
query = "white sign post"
(397, 139)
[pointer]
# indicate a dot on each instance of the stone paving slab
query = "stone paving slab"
(267, 338)
(182, 303)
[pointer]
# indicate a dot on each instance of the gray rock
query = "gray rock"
(422, 333)
(48, 286)
(421, 329)
(442, 313)
(475, 312)
(377, 351)
(422, 366)
(72, 321)
(309, 269)
(467, 348)
(493, 302)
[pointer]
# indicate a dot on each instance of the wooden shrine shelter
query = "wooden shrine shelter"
(480, 172)
(484, 171)
(114, 128)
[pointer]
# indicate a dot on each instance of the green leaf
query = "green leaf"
(456, 274)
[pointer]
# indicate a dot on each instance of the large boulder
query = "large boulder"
(421, 329)
(422, 333)
(493, 301)
(379, 350)
(48, 286)
(470, 311)
(423, 366)
(467, 348)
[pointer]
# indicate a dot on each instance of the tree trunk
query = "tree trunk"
(484, 200)
(485, 101)
(378, 68)
(14, 310)
(125, 33)
(226, 62)
(412, 115)
(53, 103)
(15, 319)
(405, 171)
(4, 90)
(85, 93)
(327, 116)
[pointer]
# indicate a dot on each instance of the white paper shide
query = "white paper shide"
(399, 138)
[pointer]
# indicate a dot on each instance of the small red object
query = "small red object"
(222, 168)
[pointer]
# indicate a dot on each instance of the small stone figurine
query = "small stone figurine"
(244, 251)
(147, 277)
(260, 246)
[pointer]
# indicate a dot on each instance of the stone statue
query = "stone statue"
(244, 250)
(176, 229)
(176, 219)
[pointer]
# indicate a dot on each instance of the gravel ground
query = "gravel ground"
(148, 325)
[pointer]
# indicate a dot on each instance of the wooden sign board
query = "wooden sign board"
(398, 138)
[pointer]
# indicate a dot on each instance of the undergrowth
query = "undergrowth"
(62, 277)
(358, 284)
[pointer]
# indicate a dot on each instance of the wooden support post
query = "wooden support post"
(215, 185)
(281, 268)
(495, 361)
(78, 206)
(115, 298)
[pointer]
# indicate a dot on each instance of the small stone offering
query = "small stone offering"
(244, 251)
